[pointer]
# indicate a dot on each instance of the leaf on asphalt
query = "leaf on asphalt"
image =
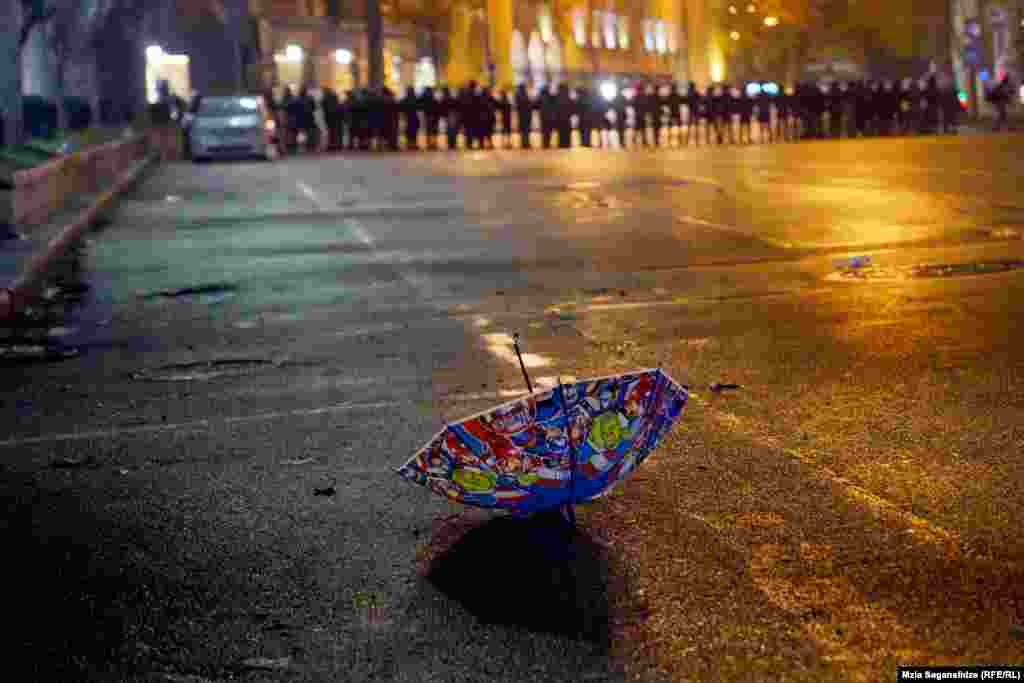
(267, 663)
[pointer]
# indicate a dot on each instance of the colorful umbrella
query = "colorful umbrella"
(554, 448)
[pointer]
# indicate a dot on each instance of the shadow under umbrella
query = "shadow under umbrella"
(536, 573)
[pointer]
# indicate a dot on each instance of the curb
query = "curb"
(14, 300)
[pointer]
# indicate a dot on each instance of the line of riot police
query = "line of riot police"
(648, 115)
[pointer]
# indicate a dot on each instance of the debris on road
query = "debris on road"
(75, 463)
(852, 263)
(34, 353)
(217, 288)
(203, 370)
(267, 663)
(299, 461)
(326, 490)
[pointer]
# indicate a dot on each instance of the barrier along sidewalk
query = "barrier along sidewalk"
(42, 193)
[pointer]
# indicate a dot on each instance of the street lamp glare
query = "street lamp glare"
(154, 53)
(732, 9)
(771, 21)
(343, 57)
(293, 53)
(609, 90)
(735, 35)
(751, 9)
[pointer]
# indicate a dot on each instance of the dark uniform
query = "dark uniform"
(410, 107)
(694, 114)
(505, 111)
(745, 110)
(674, 103)
(950, 110)
(432, 114)
(834, 107)
(332, 117)
(524, 112)
(490, 114)
(563, 116)
(548, 105)
(764, 117)
(620, 105)
(450, 110)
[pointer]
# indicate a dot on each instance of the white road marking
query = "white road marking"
(500, 345)
(195, 425)
(919, 527)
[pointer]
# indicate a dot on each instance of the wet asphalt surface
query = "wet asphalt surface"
(204, 418)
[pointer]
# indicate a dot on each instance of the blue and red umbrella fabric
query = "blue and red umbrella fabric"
(554, 448)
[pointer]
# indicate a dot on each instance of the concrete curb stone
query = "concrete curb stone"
(68, 228)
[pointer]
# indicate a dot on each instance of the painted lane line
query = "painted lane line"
(195, 425)
(918, 526)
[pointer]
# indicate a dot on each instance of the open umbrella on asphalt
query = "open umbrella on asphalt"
(554, 448)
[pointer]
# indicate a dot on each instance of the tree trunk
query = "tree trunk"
(10, 72)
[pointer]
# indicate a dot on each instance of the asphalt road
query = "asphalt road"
(205, 489)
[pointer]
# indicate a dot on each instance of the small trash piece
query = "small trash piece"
(74, 463)
(718, 387)
(853, 263)
(327, 490)
(299, 461)
(267, 663)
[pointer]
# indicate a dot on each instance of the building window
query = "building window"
(546, 30)
(673, 38)
(609, 30)
(579, 27)
(596, 20)
(648, 35)
(426, 74)
(624, 32)
(660, 41)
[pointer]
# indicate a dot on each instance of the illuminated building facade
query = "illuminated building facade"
(504, 42)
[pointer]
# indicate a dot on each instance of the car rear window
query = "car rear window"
(233, 106)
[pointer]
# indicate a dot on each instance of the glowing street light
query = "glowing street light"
(751, 9)
(732, 9)
(609, 90)
(343, 57)
(771, 21)
(735, 35)
(293, 53)
(154, 53)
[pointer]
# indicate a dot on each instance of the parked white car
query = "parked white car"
(236, 126)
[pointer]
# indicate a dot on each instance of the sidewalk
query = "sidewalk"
(26, 255)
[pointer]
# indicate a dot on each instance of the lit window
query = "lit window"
(579, 27)
(648, 35)
(596, 20)
(624, 32)
(609, 30)
(545, 27)
(671, 38)
(660, 41)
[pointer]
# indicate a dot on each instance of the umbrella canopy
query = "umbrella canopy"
(559, 447)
